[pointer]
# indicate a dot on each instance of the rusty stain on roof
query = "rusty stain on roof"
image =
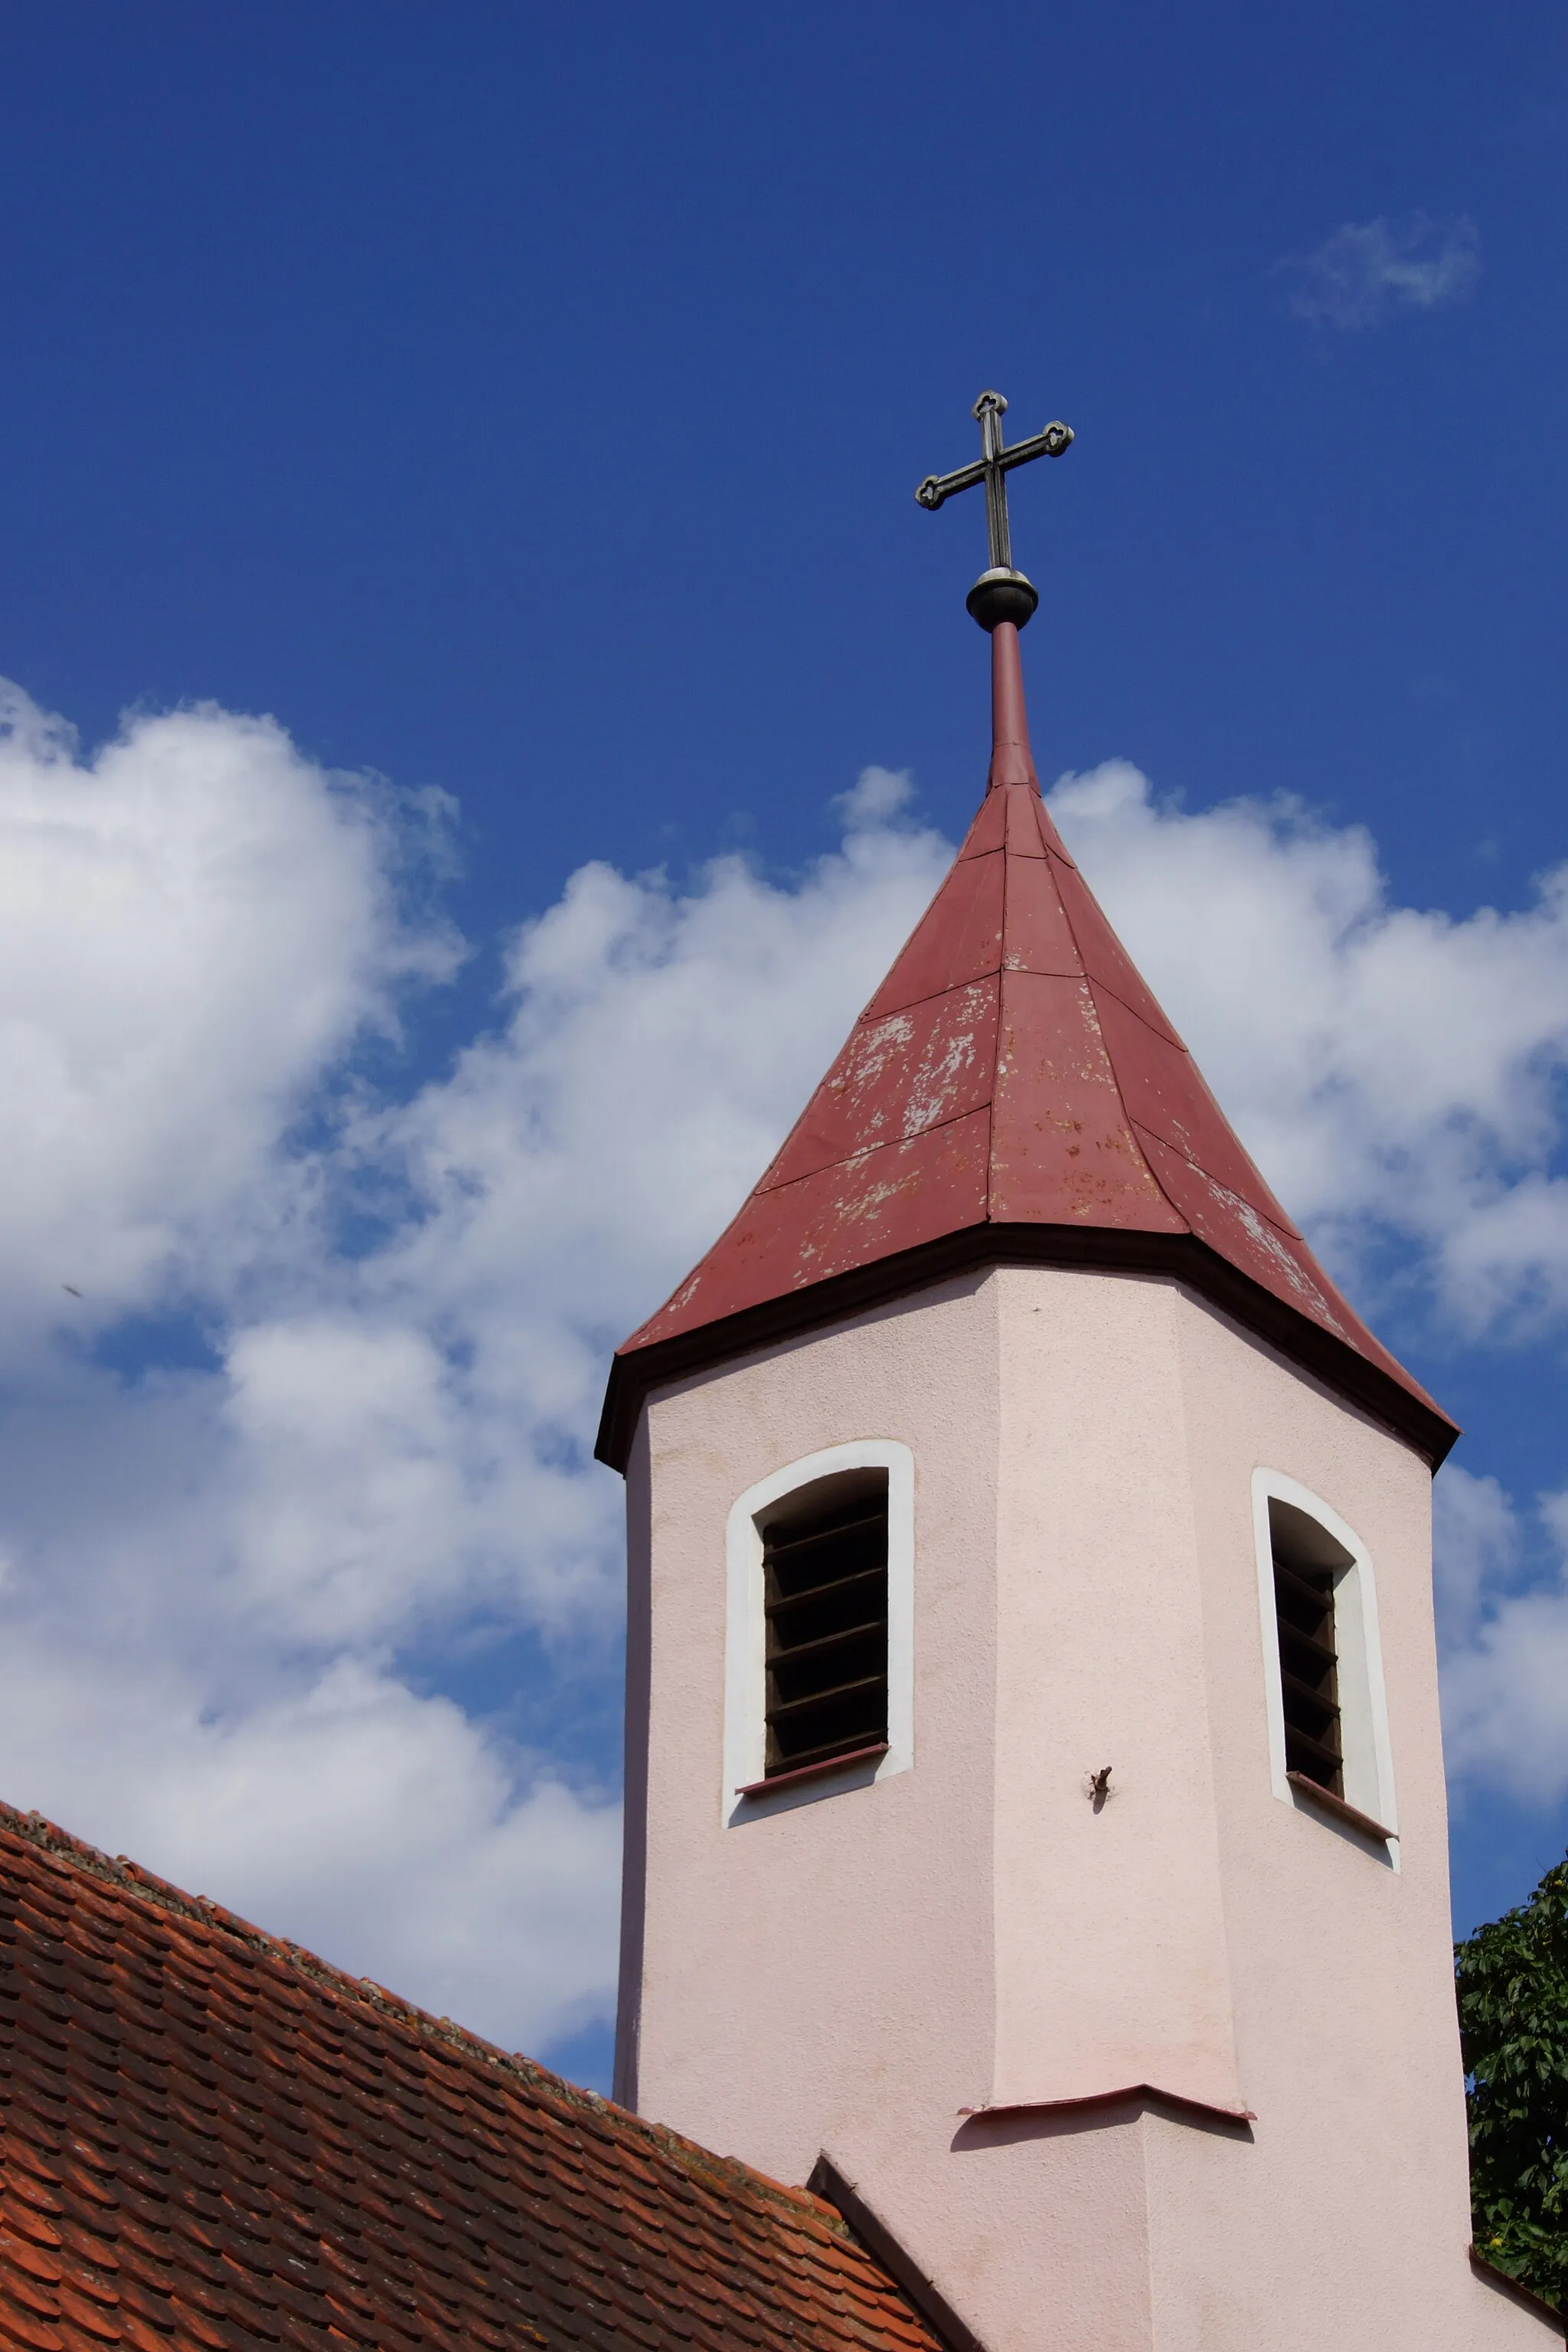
(212, 2140)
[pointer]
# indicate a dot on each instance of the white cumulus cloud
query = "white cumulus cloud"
(1503, 1622)
(194, 928)
(1396, 1071)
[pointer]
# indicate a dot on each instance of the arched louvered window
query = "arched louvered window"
(1328, 1718)
(819, 1667)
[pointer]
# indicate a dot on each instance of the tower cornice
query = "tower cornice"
(1394, 1404)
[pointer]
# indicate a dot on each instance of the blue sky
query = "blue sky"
(524, 407)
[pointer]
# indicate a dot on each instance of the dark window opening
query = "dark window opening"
(1307, 1564)
(825, 1567)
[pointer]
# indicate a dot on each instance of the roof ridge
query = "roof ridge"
(884, 1143)
(896, 1011)
(68, 1852)
(1088, 981)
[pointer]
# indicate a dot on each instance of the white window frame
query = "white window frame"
(1363, 1704)
(746, 1630)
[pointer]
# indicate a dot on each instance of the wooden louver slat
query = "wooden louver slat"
(826, 1585)
(793, 1707)
(784, 1546)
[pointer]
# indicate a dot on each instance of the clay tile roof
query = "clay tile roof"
(1012, 1092)
(212, 2140)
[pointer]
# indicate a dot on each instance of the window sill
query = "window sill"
(1337, 1809)
(810, 1772)
(1505, 2283)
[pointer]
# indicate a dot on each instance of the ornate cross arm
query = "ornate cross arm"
(1049, 444)
(1001, 593)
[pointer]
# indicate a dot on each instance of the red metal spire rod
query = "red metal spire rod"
(1011, 761)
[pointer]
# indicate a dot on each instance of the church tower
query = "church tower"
(1036, 1831)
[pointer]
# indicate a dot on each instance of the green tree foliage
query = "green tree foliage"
(1512, 1979)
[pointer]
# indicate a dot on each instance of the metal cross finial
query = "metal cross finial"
(1001, 594)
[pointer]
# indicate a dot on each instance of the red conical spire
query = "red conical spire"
(1012, 1094)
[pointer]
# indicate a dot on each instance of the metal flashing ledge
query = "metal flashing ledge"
(638, 1370)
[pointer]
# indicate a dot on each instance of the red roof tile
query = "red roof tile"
(1012, 1089)
(212, 2139)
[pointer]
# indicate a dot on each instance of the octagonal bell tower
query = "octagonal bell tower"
(1035, 1817)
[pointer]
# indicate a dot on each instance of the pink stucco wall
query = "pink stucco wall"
(866, 1974)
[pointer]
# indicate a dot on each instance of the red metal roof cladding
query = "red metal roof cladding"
(212, 2140)
(1013, 1072)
